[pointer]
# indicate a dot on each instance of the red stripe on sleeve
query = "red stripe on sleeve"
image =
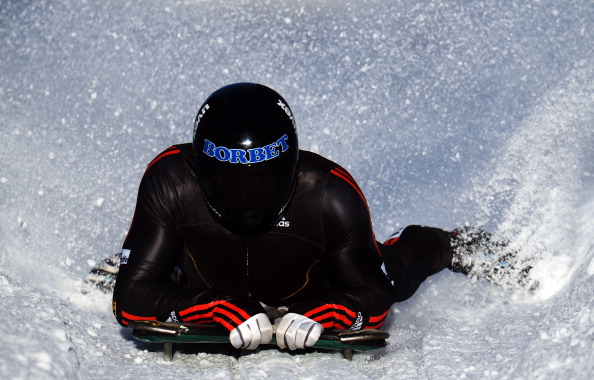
(338, 314)
(331, 307)
(228, 316)
(223, 312)
(377, 321)
(377, 326)
(199, 318)
(196, 308)
(227, 325)
(327, 325)
(238, 310)
(337, 317)
(135, 318)
(378, 318)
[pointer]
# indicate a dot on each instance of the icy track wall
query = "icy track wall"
(446, 113)
(534, 189)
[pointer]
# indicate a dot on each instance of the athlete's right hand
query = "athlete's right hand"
(296, 331)
(252, 332)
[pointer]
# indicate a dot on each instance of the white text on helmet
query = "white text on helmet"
(199, 118)
(287, 111)
(246, 156)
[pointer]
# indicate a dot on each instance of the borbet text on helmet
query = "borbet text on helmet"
(246, 152)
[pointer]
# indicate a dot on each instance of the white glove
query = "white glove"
(297, 331)
(252, 332)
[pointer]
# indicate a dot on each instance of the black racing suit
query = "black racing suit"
(321, 260)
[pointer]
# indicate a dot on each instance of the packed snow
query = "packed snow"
(446, 112)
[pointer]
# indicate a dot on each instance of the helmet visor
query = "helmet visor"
(249, 199)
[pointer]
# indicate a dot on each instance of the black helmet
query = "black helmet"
(246, 151)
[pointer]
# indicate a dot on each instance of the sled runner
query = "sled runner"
(345, 341)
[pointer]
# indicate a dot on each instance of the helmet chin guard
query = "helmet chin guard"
(246, 152)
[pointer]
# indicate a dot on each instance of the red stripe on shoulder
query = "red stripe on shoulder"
(391, 241)
(169, 151)
(346, 176)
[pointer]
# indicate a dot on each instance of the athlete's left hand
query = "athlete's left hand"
(297, 331)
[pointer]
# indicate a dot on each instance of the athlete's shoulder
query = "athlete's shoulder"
(169, 171)
(164, 181)
(314, 163)
(176, 157)
(313, 171)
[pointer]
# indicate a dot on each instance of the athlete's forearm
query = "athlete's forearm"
(358, 308)
(164, 301)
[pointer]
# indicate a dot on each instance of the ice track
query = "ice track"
(446, 113)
